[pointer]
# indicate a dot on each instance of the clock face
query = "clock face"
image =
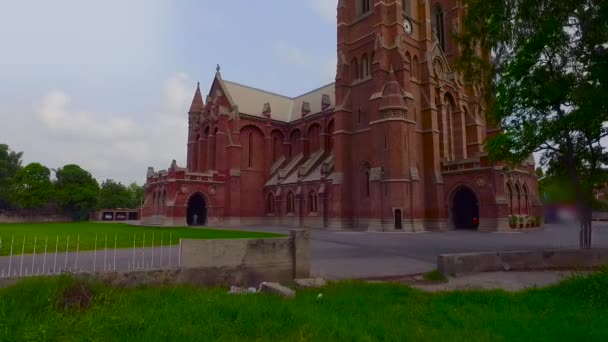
(407, 26)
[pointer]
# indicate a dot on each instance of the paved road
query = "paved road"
(344, 254)
(340, 254)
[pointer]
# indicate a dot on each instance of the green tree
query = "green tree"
(32, 186)
(114, 195)
(10, 163)
(543, 65)
(76, 191)
(137, 195)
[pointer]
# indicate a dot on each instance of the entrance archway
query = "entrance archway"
(465, 209)
(197, 211)
(398, 219)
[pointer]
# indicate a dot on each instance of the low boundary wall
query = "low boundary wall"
(466, 263)
(242, 262)
(19, 218)
(248, 260)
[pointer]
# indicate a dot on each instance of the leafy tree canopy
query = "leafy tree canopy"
(10, 163)
(544, 67)
(76, 191)
(137, 195)
(32, 186)
(114, 195)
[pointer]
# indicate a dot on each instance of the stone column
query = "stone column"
(300, 249)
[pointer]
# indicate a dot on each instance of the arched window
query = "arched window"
(154, 204)
(518, 194)
(312, 202)
(330, 136)
(275, 149)
(354, 65)
(314, 138)
(526, 200)
(415, 68)
(408, 61)
(365, 186)
(295, 141)
(438, 26)
(364, 66)
(250, 151)
(290, 203)
(195, 153)
(365, 6)
(510, 195)
(270, 204)
(367, 192)
(214, 150)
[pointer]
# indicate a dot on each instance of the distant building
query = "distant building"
(117, 215)
(396, 143)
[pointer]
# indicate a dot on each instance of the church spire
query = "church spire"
(197, 102)
(392, 96)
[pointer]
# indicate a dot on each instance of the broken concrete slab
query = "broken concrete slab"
(277, 289)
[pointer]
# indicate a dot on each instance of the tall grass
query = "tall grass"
(349, 311)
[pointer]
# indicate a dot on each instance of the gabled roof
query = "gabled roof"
(251, 101)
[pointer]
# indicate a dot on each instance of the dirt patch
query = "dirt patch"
(411, 279)
(76, 297)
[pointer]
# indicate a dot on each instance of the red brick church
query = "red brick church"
(396, 143)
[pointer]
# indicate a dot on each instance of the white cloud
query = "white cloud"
(325, 67)
(292, 55)
(109, 145)
(326, 8)
(59, 118)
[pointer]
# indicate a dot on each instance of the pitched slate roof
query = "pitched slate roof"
(251, 101)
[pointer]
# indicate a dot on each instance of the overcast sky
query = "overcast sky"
(107, 84)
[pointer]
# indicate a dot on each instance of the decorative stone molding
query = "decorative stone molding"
(481, 181)
(325, 101)
(376, 173)
(338, 178)
(305, 108)
(414, 174)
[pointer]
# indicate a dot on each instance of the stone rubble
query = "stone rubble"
(311, 282)
(241, 290)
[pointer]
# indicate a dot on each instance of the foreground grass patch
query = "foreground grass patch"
(572, 311)
(435, 276)
(124, 235)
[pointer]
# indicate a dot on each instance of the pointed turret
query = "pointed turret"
(197, 103)
(392, 96)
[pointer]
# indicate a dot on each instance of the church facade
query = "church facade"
(395, 143)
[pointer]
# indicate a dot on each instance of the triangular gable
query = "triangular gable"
(436, 55)
(218, 84)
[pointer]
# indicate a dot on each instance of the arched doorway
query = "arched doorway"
(197, 211)
(465, 209)
(398, 220)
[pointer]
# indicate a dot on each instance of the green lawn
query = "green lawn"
(576, 310)
(88, 231)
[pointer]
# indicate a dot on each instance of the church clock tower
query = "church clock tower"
(384, 144)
